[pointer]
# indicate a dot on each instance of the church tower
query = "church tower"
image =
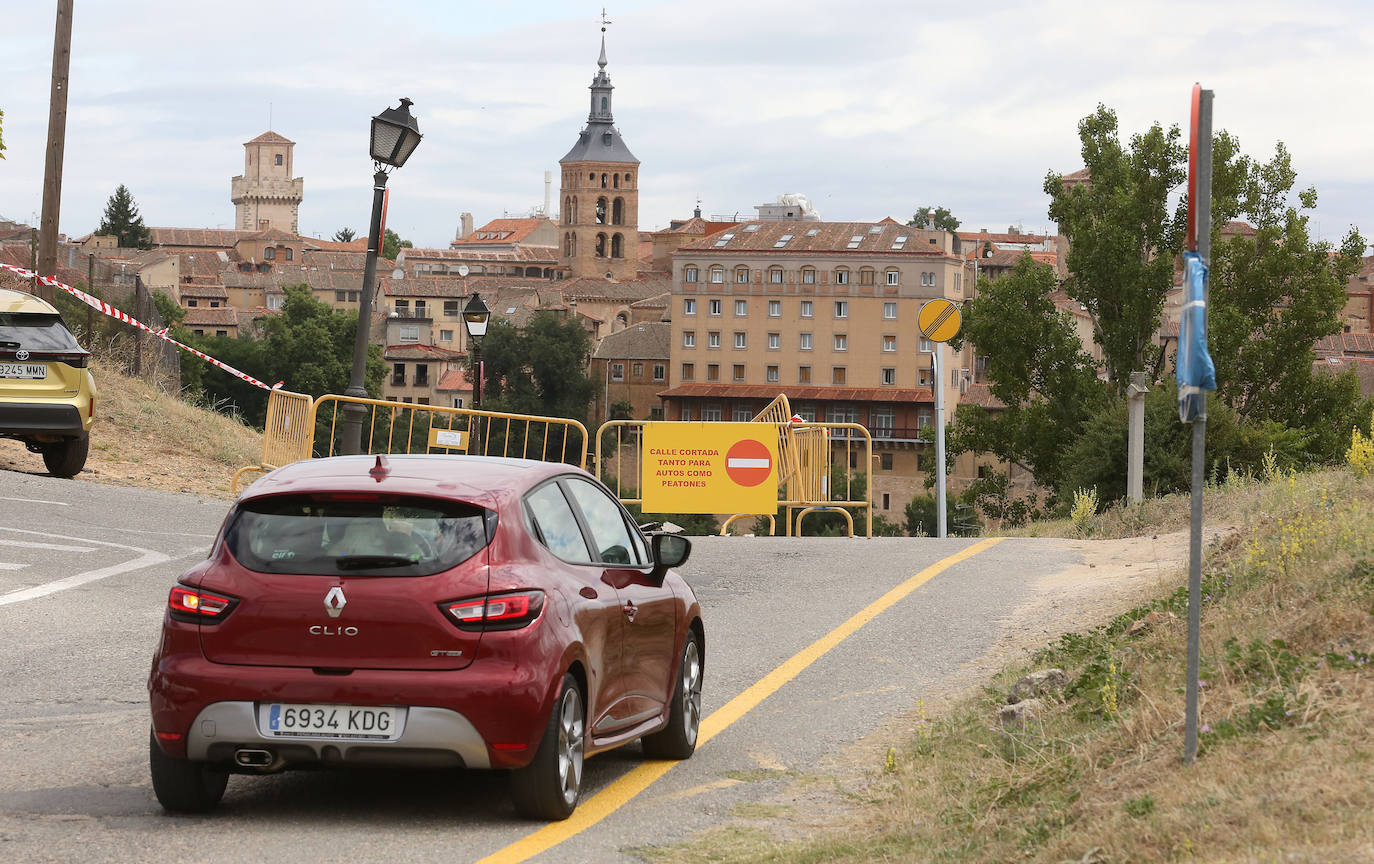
(599, 220)
(265, 195)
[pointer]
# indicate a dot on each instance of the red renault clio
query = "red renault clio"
(448, 611)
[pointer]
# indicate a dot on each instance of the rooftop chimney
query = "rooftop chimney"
(548, 185)
(464, 225)
(930, 220)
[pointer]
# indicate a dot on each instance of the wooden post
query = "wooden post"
(57, 138)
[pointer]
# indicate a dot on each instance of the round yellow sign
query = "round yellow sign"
(939, 320)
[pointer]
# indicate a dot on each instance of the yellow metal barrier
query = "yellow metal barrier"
(404, 427)
(287, 435)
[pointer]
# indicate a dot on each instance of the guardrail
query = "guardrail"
(288, 434)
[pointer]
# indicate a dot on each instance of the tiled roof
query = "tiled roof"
(648, 341)
(204, 316)
(204, 292)
(292, 274)
(474, 252)
(1345, 344)
(503, 231)
(626, 291)
(865, 238)
(274, 234)
(449, 288)
(1363, 367)
(270, 138)
(334, 259)
(794, 394)
(18, 256)
(981, 237)
(981, 395)
(358, 244)
(206, 265)
(696, 225)
(658, 301)
(416, 351)
(454, 379)
(209, 238)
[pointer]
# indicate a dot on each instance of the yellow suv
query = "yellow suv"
(47, 394)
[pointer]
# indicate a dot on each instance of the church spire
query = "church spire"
(601, 84)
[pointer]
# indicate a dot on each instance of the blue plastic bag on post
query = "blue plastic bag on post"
(1194, 365)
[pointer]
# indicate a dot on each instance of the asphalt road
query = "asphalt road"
(84, 574)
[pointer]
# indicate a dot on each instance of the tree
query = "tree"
(344, 235)
(122, 221)
(1036, 367)
(392, 244)
(541, 369)
(944, 220)
(920, 515)
(1123, 236)
(1273, 296)
(622, 409)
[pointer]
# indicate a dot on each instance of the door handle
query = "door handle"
(630, 610)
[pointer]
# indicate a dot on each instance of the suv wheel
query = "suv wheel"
(67, 457)
(183, 786)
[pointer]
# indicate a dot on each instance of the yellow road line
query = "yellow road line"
(619, 792)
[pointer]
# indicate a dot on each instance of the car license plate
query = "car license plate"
(371, 723)
(23, 370)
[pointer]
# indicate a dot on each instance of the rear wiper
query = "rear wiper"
(367, 562)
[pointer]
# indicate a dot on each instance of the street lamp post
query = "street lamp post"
(395, 135)
(475, 318)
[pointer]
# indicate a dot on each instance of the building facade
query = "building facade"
(266, 195)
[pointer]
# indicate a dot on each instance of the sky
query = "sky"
(870, 109)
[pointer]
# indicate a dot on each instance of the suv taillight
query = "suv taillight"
(496, 612)
(75, 359)
(200, 607)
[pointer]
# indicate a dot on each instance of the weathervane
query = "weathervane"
(604, 19)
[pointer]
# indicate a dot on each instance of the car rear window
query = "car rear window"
(362, 534)
(35, 331)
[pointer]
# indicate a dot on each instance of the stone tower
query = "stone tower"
(265, 195)
(599, 219)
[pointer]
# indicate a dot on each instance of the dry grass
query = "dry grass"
(146, 438)
(1286, 769)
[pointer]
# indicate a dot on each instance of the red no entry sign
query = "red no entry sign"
(748, 463)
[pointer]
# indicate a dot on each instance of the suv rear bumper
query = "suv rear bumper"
(19, 419)
(428, 736)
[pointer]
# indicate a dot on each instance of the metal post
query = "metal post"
(138, 334)
(57, 137)
(1135, 449)
(940, 520)
(1204, 248)
(90, 288)
(352, 434)
(476, 431)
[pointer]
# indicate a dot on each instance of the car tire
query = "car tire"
(67, 457)
(549, 786)
(183, 786)
(678, 740)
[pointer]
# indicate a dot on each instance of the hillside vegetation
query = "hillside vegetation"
(1286, 764)
(144, 437)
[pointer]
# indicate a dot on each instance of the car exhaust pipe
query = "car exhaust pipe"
(253, 758)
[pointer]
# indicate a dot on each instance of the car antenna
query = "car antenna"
(381, 469)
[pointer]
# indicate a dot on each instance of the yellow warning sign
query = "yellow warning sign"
(709, 468)
(939, 320)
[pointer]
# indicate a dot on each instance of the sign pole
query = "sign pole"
(1201, 204)
(943, 529)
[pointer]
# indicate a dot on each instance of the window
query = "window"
(689, 371)
(925, 418)
(221, 332)
(724, 240)
(617, 371)
(885, 462)
(893, 277)
(837, 375)
(741, 339)
(410, 334)
(713, 339)
(774, 341)
(804, 341)
(557, 527)
(712, 371)
(689, 274)
(214, 304)
(775, 276)
(713, 306)
(269, 253)
(890, 310)
(289, 255)
(808, 276)
(739, 372)
(606, 521)
(741, 308)
(841, 342)
(717, 275)
(807, 309)
(421, 374)
(841, 308)
(783, 241)
(689, 338)
(451, 308)
(276, 159)
(881, 418)
(926, 346)
(886, 496)
(774, 308)
(710, 413)
(924, 377)
(274, 301)
(445, 335)
(842, 276)
(741, 275)
(398, 374)
(889, 376)
(742, 414)
(660, 372)
(686, 412)
(656, 412)
(773, 375)
(866, 276)
(457, 401)
(689, 306)
(403, 308)
(804, 376)
(637, 370)
(421, 310)
(889, 343)
(191, 304)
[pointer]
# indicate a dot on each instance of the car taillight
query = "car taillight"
(188, 604)
(497, 612)
(75, 359)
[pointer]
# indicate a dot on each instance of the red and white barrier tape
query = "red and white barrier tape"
(97, 303)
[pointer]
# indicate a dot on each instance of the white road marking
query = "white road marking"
(4, 566)
(56, 547)
(741, 462)
(35, 501)
(146, 558)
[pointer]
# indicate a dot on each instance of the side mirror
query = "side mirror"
(670, 550)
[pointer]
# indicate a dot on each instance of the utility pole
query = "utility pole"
(57, 140)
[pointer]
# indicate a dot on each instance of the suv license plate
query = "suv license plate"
(329, 721)
(23, 370)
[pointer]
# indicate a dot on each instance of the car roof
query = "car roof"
(19, 301)
(484, 480)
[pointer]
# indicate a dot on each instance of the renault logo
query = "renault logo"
(335, 601)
